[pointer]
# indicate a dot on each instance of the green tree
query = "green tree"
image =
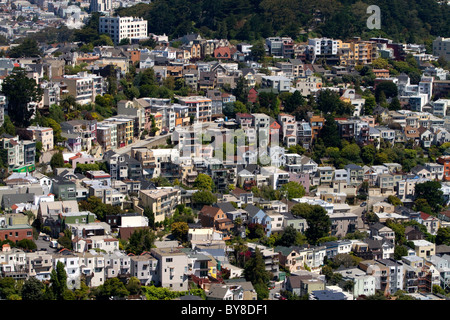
(319, 223)
(112, 287)
(432, 193)
(32, 289)
(28, 48)
(203, 182)
(293, 190)
(255, 272)
(141, 240)
(258, 51)
(58, 281)
(203, 198)
(389, 89)
(394, 201)
(20, 91)
(57, 160)
(399, 252)
(443, 236)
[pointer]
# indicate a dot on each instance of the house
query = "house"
(210, 216)
(355, 174)
(380, 231)
(424, 248)
(302, 285)
(144, 267)
(363, 284)
(257, 215)
(171, 268)
(430, 222)
(413, 233)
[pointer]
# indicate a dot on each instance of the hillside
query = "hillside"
(417, 21)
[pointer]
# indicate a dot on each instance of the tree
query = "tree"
(369, 105)
(290, 237)
(57, 160)
(318, 221)
(258, 51)
(33, 289)
(443, 236)
(8, 288)
(293, 190)
(329, 133)
(394, 201)
(58, 280)
(399, 252)
(20, 90)
(432, 193)
(203, 198)
(389, 89)
(203, 182)
(112, 287)
(134, 286)
(255, 272)
(180, 231)
(141, 240)
(28, 48)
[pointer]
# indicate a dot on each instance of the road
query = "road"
(278, 287)
(44, 245)
(358, 210)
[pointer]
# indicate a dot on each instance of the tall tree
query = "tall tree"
(58, 280)
(19, 91)
(255, 272)
(318, 221)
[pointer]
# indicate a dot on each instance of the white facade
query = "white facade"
(123, 28)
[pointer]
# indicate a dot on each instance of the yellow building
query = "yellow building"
(424, 249)
(356, 52)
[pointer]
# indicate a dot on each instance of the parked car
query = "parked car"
(363, 204)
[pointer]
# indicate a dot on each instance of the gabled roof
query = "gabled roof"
(225, 206)
(252, 210)
(210, 210)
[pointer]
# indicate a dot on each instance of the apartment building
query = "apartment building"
(84, 87)
(308, 85)
(144, 267)
(120, 28)
(289, 129)
(441, 47)
(357, 52)
(132, 109)
(172, 268)
(323, 46)
(101, 5)
(124, 127)
(19, 152)
(161, 201)
(199, 107)
(43, 135)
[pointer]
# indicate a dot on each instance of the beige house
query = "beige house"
(162, 202)
(424, 249)
(43, 135)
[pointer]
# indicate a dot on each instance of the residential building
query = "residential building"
(172, 268)
(84, 87)
(441, 48)
(120, 28)
(199, 108)
(43, 135)
(161, 201)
